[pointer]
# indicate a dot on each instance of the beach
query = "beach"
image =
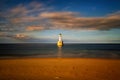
(59, 69)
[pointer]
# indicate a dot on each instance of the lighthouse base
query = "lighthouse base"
(60, 43)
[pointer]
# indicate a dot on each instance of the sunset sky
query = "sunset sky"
(79, 21)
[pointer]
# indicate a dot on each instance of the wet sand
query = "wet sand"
(59, 69)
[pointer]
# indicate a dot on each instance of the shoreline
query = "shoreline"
(5, 58)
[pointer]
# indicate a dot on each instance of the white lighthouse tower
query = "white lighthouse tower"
(60, 37)
(60, 42)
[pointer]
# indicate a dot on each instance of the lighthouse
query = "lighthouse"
(60, 42)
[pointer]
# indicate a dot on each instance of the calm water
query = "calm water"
(68, 50)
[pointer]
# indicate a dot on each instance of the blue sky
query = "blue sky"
(79, 21)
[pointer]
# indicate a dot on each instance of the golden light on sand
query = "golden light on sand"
(62, 69)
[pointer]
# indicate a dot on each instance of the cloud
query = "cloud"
(71, 20)
(34, 28)
(17, 18)
(2, 34)
(20, 36)
(26, 13)
(24, 19)
(58, 15)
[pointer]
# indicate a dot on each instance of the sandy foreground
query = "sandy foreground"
(59, 69)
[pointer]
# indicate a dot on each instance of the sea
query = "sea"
(51, 50)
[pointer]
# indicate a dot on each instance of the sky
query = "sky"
(41, 21)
